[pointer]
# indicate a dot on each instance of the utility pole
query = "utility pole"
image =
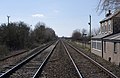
(8, 19)
(90, 31)
(84, 36)
(90, 26)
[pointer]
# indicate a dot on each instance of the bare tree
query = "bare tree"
(105, 5)
(76, 35)
(84, 31)
(96, 31)
(43, 34)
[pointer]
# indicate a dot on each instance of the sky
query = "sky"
(63, 16)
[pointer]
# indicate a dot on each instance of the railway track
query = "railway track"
(59, 60)
(11, 60)
(79, 73)
(87, 66)
(31, 66)
(60, 65)
(22, 52)
(13, 55)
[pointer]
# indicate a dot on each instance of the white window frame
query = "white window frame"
(102, 27)
(109, 25)
(97, 44)
(96, 41)
(92, 42)
(105, 27)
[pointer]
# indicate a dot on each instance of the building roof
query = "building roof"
(111, 16)
(115, 37)
(108, 37)
(100, 36)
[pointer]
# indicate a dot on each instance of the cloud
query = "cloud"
(38, 15)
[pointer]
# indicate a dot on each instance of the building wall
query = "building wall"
(97, 52)
(118, 15)
(107, 27)
(95, 49)
(109, 53)
(110, 26)
(116, 25)
(111, 31)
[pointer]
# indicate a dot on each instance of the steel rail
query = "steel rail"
(79, 73)
(19, 65)
(38, 72)
(7, 57)
(94, 62)
(13, 55)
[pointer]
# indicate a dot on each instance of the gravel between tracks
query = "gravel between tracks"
(111, 67)
(59, 65)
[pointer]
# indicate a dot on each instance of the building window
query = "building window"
(102, 28)
(115, 47)
(99, 45)
(96, 45)
(93, 44)
(109, 25)
(105, 47)
(105, 30)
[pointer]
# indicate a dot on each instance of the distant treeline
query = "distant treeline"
(80, 36)
(19, 35)
(84, 35)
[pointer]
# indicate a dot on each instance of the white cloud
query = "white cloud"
(38, 15)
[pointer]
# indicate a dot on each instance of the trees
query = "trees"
(96, 31)
(23, 34)
(84, 34)
(39, 32)
(49, 34)
(105, 5)
(43, 34)
(84, 31)
(17, 35)
(76, 35)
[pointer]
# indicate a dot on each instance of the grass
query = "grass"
(82, 45)
(3, 51)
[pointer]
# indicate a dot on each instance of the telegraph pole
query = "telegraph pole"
(8, 19)
(90, 31)
(90, 27)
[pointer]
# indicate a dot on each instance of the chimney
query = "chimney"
(108, 14)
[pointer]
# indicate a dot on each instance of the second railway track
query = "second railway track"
(87, 66)
(28, 68)
(11, 60)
